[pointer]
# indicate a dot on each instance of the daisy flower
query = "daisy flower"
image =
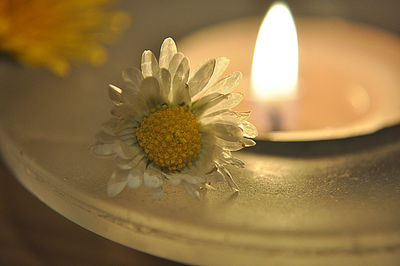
(55, 33)
(173, 126)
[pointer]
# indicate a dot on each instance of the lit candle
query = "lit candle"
(274, 71)
(347, 78)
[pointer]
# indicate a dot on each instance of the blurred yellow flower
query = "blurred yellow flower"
(54, 33)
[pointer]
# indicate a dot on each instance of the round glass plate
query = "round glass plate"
(317, 203)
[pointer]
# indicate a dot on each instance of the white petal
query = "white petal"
(221, 64)
(182, 72)
(173, 180)
(225, 115)
(128, 138)
(229, 101)
(249, 130)
(231, 145)
(180, 91)
(152, 178)
(131, 163)
(192, 177)
(201, 77)
(227, 84)
(208, 101)
(117, 182)
(134, 181)
(194, 190)
(182, 96)
(208, 186)
(101, 149)
(104, 137)
(175, 62)
(130, 151)
(228, 177)
(123, 125)
(125, 112)
(215, 102)
(168, 50)
(118, 151)
(248, 142)
(226, 158)
(165, 83)
(150, 67)
(132, 76)
(135, 101)
(157, 193)
(224, 131)
(151, 91)
(209, 152)
(131, 131)
(135, 177)
(109, 126)
(115, 94)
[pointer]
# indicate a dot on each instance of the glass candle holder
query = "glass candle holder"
(319, 202)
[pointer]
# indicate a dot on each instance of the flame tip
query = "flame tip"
(275, 61)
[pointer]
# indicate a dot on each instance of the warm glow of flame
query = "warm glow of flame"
(275, 60)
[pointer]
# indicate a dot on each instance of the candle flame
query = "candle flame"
(275, 60)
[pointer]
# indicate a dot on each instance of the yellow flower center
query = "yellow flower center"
(170, 137)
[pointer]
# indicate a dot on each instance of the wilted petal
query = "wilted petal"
(201, 77)
(168, 50)
(117, 182)
(150, 67)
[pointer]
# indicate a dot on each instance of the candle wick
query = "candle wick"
(275, 120)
